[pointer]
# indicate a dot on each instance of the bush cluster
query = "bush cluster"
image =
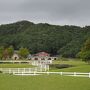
(0, 71)
(60, 66)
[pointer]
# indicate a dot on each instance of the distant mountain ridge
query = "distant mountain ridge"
(64, 40)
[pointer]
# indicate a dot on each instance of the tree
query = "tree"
(5, 54)
(23, 52)
(10, 51)
(1, 52)
(85, 51)
(54, 39)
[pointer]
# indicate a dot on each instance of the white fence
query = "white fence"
(15, 61)
(37, 71)
(24, 70)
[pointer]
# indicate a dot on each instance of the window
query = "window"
(36, 58)
(49, 58)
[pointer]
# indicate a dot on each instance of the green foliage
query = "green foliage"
(85, 51)
(1, 52)
(77, 66)
(85, 55)
(87, 45)
(60, 66)
(10, 51)
(5, 54)
(23, 52)
(64, 40)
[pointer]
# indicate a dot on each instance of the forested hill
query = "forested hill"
(64, 40)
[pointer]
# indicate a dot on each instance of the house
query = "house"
(42, 58)
(15, 56)
(29, 57)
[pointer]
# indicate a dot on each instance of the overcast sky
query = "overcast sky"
(61, 12)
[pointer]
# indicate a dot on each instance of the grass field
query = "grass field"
(43, 82)
(15, 66)
(46, 82)
(78, 66)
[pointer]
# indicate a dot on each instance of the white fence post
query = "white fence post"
(18, 70)
(47, 73)
(61, 73)
(48, 67)
(89, 74)
(24, 70)
(45, 66)
(9, 70)
(29, 70)
(34, 72)
(75, 73)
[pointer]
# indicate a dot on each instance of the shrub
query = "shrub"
(0, 71)
(60, 66)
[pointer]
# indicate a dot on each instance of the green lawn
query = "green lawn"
(15, 66)
(46, 82)
(78, 66)
(43, 82)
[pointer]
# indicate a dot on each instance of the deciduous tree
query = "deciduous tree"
(85, 52)
(23, 52)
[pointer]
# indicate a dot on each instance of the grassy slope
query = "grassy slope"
(79, 66)
(43, 82)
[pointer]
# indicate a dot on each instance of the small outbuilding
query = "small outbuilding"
(15, 56)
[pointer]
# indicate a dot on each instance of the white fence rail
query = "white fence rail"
(15, 61)
(25, 70)
(37, 71)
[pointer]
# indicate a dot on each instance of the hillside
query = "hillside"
(64, 40)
